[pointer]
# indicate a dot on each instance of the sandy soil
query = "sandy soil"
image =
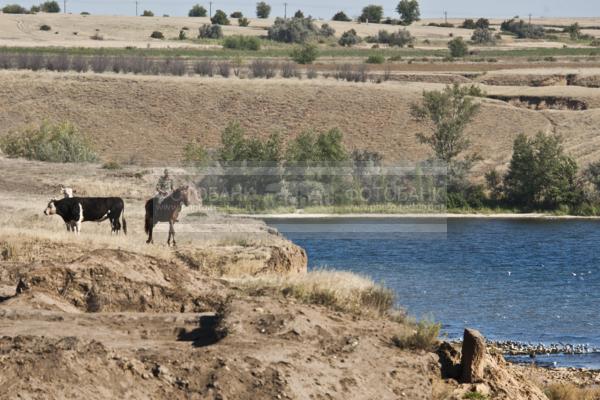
(99, 316)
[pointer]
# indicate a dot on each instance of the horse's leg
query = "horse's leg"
(150, 228)
(172, 231)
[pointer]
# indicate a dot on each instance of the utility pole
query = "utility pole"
(136, 8)
(530, 23)
(284, 10)
(210, 10)
(446, 17)
(65, 6)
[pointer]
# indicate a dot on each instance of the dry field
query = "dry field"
(122, 31)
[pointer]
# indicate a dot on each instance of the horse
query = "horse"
(166, 211)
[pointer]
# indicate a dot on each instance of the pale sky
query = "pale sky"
(325, 9)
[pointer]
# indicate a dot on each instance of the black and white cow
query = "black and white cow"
(75, 210)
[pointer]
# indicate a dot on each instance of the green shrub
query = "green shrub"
(243, 21)
(469, 24)
(522, 29)
(236, 15)
(458, 47)
(400, 38)
(207, 31)
(293, 30)
(305, 54)
(157, 35)
(34, 9)
(14, 9)
(595, 42)
(326, 31)
(263, 10)
(50, 7)
(147, 13)
(182, 35)
(54, 143)
(197, 11)
(84, 13)
(194, 153)
(475, 396)
(482, 36)
(424, 338)
(349, 38)
(375, 59)
(239, 42)
(220, 18)
(341, 16)
(45, 27)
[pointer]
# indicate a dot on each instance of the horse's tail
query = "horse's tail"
(123, 220)
(147, 219)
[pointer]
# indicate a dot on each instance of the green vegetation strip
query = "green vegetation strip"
(279, 52)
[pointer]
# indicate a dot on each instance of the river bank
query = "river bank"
(514, 216)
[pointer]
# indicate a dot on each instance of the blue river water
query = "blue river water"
(526, 280)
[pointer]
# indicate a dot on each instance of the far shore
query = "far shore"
(514, 216)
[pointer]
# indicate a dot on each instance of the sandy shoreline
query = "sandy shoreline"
(537, 216)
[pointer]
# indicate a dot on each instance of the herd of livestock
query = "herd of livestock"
(75, 210)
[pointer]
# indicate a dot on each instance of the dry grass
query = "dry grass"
(566, 391)
(339, 290)
(373, 117)
(424, 337)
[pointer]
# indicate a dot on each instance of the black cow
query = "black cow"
(75, 210)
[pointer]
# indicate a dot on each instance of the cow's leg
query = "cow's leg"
(80, 220)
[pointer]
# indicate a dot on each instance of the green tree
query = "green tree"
(147, 13)
(299, 14)
(592, 175)
(305, 54)
(14, 9)
(409, 11)
(493, 180)
(371, 13)
(483, 23)
(540, 174)
(50, 7)
(341, 16)
(220, 18)
(447, 114)
(574, 31)
(197, 11)
(263, 10)
(458, 47)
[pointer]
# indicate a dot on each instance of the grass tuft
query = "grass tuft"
(423, 338)
(339, 290)
(567, 391)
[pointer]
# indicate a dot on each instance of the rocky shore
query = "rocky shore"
(516, 348)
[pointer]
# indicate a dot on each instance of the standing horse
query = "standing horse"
(166, 211)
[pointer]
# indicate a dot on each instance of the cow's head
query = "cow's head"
(51, 209)
(67, 192)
